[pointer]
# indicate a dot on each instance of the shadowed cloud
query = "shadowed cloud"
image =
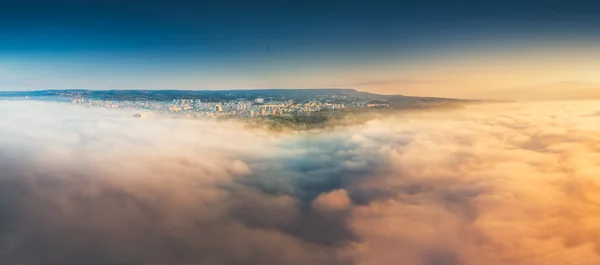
(488, 184)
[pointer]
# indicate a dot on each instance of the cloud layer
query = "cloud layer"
(488, 184)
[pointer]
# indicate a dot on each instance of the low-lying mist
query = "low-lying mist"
(490, 184)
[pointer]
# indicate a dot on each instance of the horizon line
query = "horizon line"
(174, 89)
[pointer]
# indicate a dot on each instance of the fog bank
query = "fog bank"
(488, 184)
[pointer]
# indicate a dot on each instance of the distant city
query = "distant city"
(227, 103)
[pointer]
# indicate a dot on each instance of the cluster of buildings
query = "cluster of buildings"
(244, 108)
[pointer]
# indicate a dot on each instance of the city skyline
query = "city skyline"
(233, 103)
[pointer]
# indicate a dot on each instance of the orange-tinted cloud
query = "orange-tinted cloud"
(487, 184)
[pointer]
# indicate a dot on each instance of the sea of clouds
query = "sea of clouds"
(494, 184)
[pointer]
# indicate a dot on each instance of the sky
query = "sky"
(469, 49)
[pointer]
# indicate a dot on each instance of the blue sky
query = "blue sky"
(223, 44)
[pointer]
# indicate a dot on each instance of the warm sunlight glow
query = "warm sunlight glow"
(314, 132)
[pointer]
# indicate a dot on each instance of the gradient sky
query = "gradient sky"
(435, 48)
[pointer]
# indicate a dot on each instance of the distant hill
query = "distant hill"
(330, 94)
(187, 93)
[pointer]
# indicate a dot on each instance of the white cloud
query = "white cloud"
(488, 184)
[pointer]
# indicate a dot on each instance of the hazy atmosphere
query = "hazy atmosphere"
(488, 184)
(465, 49)
(431, 132)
